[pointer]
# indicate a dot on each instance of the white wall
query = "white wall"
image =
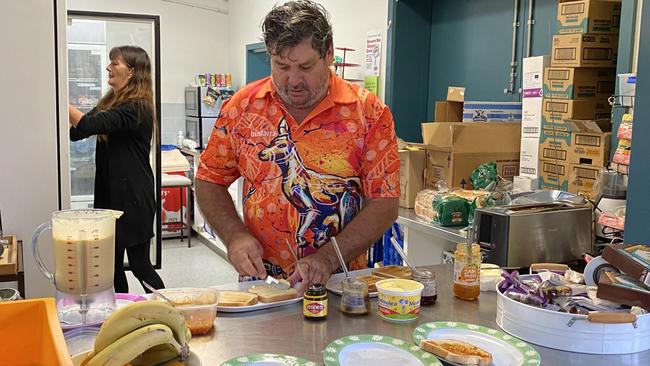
(28, 129)
(351, 20)
(192, 40)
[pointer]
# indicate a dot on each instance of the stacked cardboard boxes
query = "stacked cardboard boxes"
(576, 130)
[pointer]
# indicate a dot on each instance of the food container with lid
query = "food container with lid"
(198, 306)
(399, 299)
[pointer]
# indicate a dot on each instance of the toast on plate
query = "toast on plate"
(236, 298)
(268, 293)
(393, 271)
(457, 351)
(371, 280)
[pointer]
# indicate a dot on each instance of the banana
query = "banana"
(137, 315)
(156, 355)
(132, 345)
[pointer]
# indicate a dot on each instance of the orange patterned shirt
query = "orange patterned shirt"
(303, 182)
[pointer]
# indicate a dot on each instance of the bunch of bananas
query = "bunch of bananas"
(141, 333)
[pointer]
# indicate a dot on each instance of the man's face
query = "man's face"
(300, 75)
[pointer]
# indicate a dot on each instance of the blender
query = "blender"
(84, 251)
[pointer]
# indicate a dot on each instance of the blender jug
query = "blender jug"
(84, 251)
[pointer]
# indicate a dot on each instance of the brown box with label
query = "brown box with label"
(554, 175)
(559, 110)
(582, 179)
(590, 141)
(584, 50)
(633, 260)
(448, 112)
(578, 83)
(455, 150)
(411, 175)
(589, 16)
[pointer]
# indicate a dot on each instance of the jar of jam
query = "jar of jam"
(428, 279)
(314, 302)
(355, 298)
(467, 264)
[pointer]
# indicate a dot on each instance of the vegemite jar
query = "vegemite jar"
(314, 302)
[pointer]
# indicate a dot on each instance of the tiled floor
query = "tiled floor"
(197, 266)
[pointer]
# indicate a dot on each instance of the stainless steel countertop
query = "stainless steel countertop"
(284, 331)
(408, 218)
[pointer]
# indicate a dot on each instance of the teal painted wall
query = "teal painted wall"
(638, 199)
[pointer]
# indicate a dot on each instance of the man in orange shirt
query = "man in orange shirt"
(318, 154)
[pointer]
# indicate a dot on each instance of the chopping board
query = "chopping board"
(8, 260)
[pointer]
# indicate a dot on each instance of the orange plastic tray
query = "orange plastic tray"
(31, 334)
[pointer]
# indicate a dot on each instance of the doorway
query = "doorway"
(91, 36)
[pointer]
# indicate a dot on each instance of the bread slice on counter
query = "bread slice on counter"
(237, 298)
(371, 280)
(457, 352)
(393, 271)
(268, 293)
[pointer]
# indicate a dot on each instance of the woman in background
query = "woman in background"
(124, 121)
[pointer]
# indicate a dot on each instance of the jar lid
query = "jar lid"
(9, 294)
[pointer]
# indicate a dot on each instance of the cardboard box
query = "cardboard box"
(590, 141)
(578, 83)
(554, 175)
(448, 112)
(555, 145)
(533, 85)
(455, 150)
(584, 50)
(589, 16)
(456, 94)
(560, 110)
(492, 112)
(529, 157)
(411, 175)
(623, 289)
(582, 179)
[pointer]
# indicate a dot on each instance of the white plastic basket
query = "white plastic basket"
(571, 332)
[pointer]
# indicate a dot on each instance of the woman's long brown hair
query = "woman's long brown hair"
(138, 89)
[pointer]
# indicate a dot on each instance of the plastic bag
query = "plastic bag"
(484, 176)
(451, 210)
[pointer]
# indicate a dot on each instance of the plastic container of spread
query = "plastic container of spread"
(198, 306)
(399, 299)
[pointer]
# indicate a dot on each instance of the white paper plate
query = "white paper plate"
(193, 360)
(334, 283)
(376, 350)
(505, 349)
(244, 286)
(268, 359)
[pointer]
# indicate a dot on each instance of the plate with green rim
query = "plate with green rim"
(376, 350)
(268, 359)
(505, 349)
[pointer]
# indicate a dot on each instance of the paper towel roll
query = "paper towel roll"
(595, 268)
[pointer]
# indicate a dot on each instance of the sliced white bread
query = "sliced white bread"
(236, 298)
(268, 293)
(457, 352)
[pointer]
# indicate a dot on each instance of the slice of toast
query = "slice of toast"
(268, 293)
(371, 280)
(457, 351)
(393, 271)
(236, 298)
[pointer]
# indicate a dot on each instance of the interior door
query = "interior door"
(91, 36)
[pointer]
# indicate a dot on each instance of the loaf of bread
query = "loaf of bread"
(458, 352)
(393, 271)
(237, 298)
(269, 293)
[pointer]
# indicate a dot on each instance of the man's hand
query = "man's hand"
(316, 268)
(245, 254)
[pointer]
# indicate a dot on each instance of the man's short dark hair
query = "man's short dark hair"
(289, 24)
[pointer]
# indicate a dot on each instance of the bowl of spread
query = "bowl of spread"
(399, 299)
